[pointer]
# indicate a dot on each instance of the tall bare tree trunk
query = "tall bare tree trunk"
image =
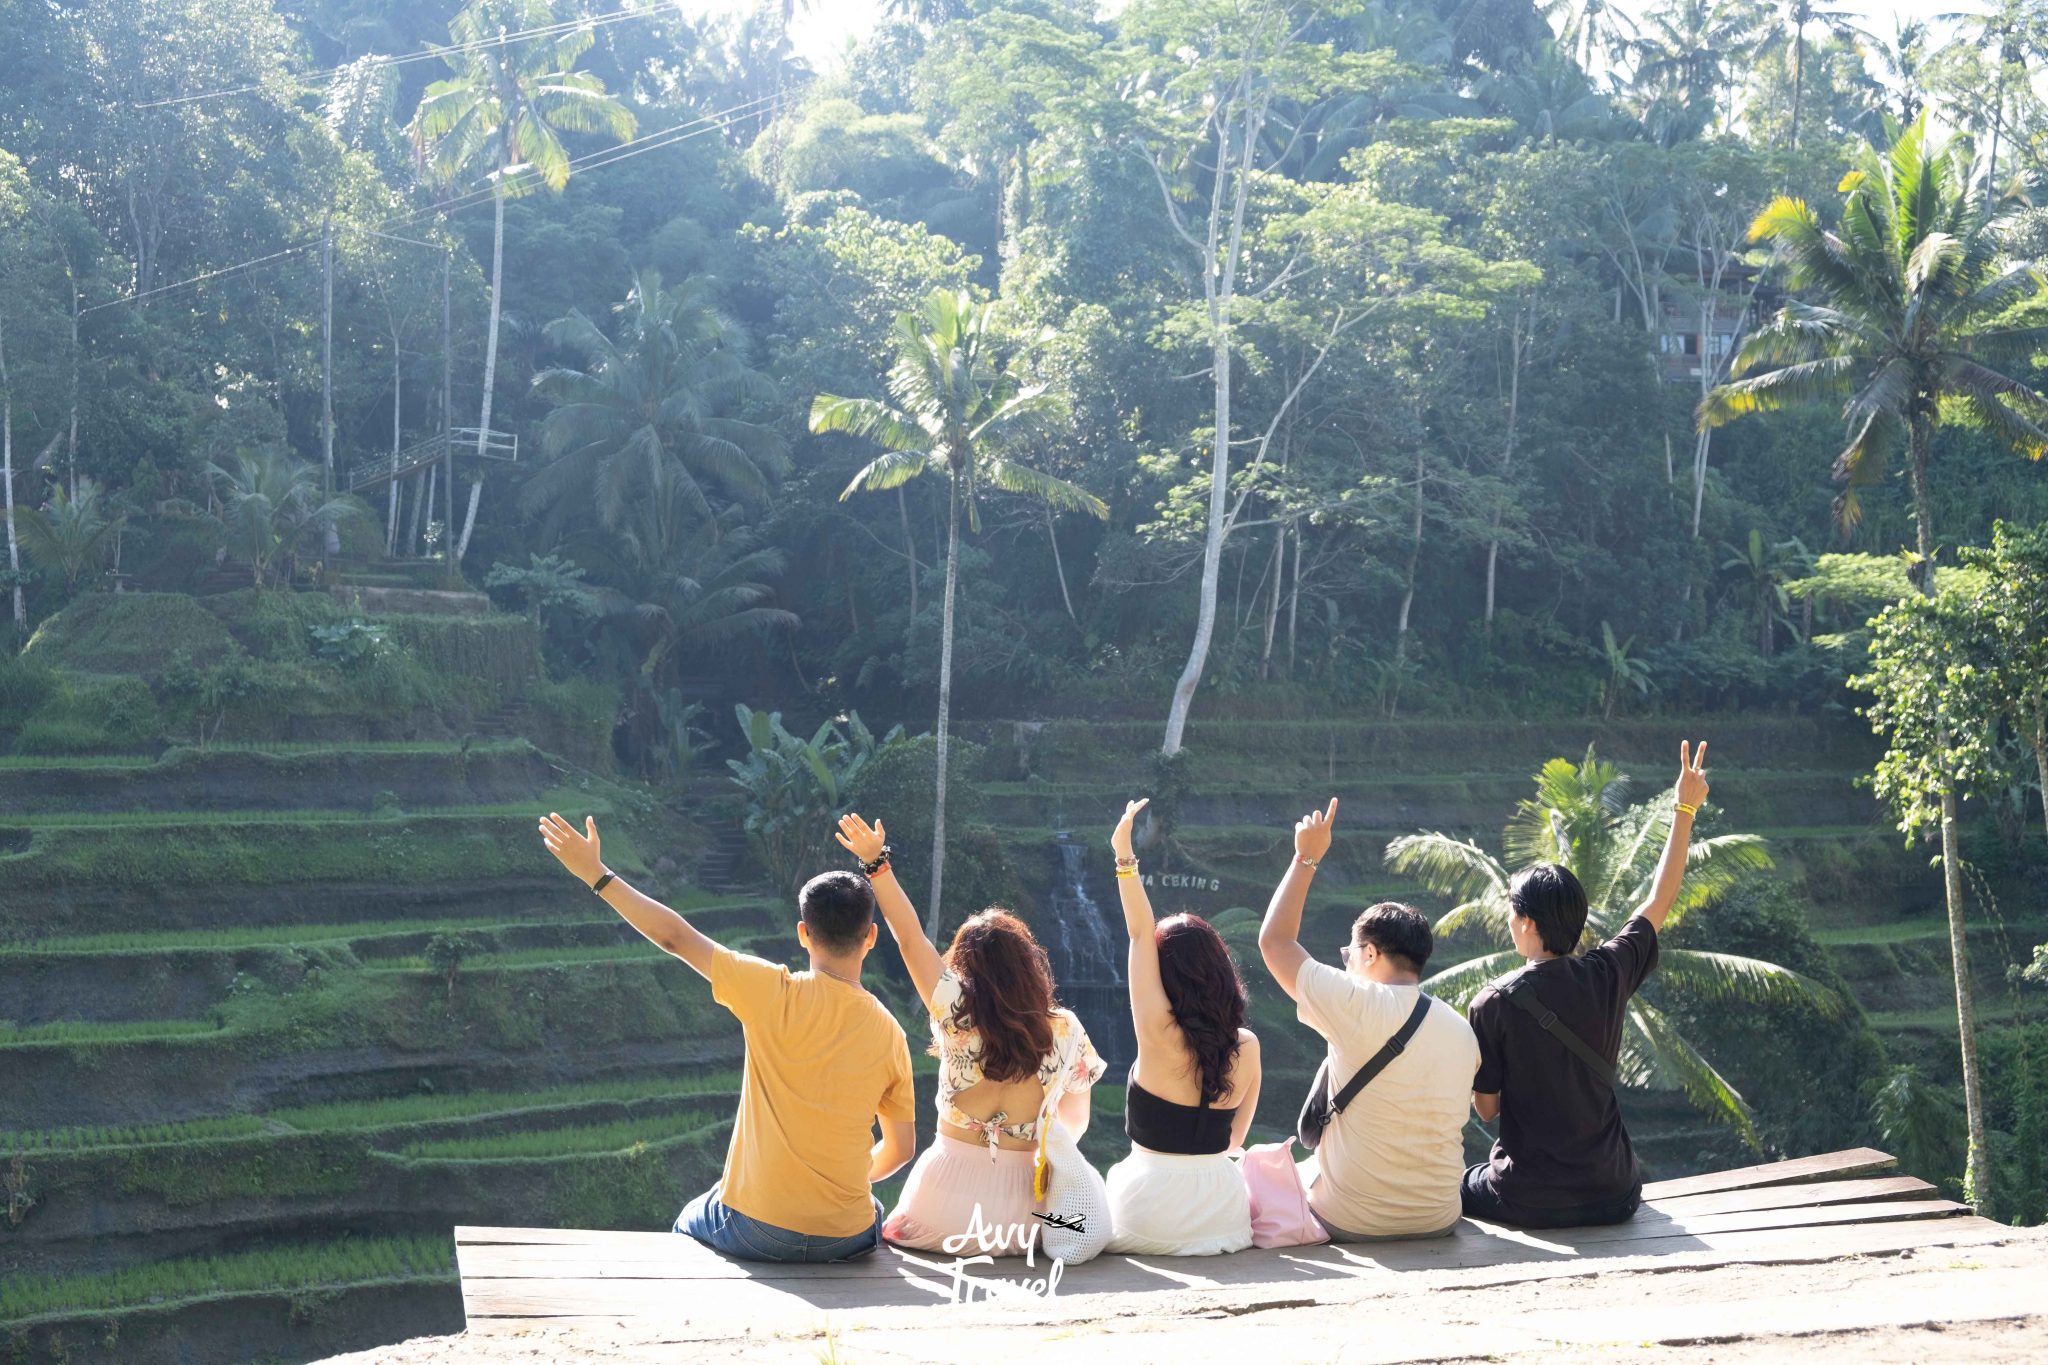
(1977, 1178)
(1507, 460)
(7, 478)
(1052, 534)
(483, 430)
(397, 439)
(1798, 78)
(909, 546)
(1407, 590)
(1294, 601)
(933, 907)
(1219, 286)
(1277, 570)
(2041, 753)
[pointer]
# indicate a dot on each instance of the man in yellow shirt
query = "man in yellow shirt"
(825, 1062)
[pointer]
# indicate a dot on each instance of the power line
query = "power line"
(425, 55)
(604, 156)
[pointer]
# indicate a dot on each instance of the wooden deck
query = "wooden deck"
(1818, 1208)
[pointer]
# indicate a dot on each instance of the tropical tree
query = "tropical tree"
(72, 534)
(956, 410)
(1768, 567)
(1625, 673)
(1592, 28)
(2014, 33)
(1581, 817)
(1685, 64)
(270, 503)
(1912, 315)
(797, 788)
(651, 407)
(1794, 18)
(499, 120)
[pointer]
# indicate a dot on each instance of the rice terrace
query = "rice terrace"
(1228, 680)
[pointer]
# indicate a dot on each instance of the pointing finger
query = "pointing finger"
(1331, 814)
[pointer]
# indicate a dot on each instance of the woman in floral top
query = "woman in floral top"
(1002, 1046)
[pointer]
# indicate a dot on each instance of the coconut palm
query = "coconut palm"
(72, 534)
(955, 410)
(1590, 28)
(2015, 34)
(270, 503)
(499, 119)
(1794, 18)
(1912, 314)
(1686, 60)
(653, 404)
(1581, 817)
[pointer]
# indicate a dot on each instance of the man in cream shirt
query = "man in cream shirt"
(1390, 1164)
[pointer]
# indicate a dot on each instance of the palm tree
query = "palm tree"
(1904, 57)
(270, 503)
(1581, 817)
(2015, 32)
(1589, 28)
(1914, 315)
(1796, 16)
(499, 119)
(72, 534)
(1684, 63)
(649, 406)
(954, 410)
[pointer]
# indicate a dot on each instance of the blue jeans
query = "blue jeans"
(707, 1219)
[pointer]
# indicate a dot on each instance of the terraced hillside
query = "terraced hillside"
(275, 1014)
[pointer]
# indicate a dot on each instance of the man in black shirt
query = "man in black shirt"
(1563, 1158)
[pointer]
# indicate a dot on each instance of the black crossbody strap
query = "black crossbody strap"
(1524, 995)
(1392, 1049)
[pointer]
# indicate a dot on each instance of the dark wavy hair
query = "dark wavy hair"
(1005, 993)
(1205, 995)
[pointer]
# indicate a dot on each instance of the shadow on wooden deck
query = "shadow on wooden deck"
(1814, 1208)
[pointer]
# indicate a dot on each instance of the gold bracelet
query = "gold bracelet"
(1309, 863)
(1130, 871)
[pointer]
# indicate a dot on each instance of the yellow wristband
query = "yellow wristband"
(1689, 810)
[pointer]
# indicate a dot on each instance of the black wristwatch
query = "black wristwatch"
(881, 861)
(599, 884)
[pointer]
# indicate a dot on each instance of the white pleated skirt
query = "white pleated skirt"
(1164, 1204)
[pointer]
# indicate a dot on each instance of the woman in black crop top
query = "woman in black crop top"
(1190, 1095)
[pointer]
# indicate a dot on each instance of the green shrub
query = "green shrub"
(129, 632)
(92, 715)
(25, 684)
(275, 625)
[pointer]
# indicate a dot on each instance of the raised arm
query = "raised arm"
(1692, 790)
(1280, 934)
(1150, 1013)
(867, 843)
(661, 926)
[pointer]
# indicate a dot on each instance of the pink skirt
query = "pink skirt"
(979, 1199)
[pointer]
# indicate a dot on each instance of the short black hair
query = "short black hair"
(839, 907)
(1397, 930)
(1549, 894)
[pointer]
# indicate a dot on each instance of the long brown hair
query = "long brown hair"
(1205, 995)
(1005, 993)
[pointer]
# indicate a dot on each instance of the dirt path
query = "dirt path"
(1970, 1304)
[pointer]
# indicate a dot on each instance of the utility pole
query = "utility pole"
(447, 420)
(329, 543)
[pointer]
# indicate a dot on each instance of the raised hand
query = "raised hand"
(858, 837)
(577, 852)
(1692, 783)
(1312, 833)
(1120, 837)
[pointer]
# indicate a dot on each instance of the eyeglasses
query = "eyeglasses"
(1346, 951)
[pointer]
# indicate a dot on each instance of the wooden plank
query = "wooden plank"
(1821, 1166)
(1795, 1196)
(675, 1263)
(508, 1303)
(1648, 1227)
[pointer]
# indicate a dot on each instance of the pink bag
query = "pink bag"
(1280, 1212)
